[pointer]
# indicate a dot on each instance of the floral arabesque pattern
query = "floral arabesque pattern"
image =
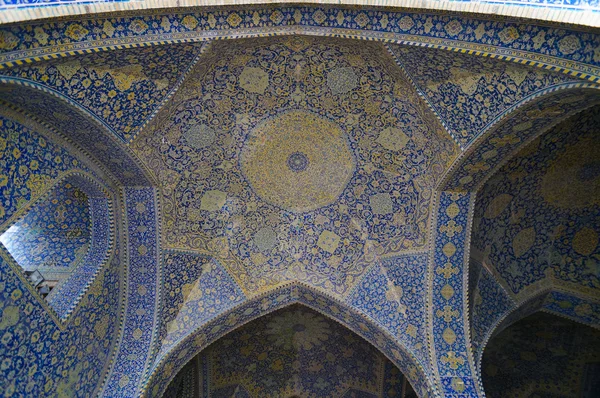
(555, 235)
(467, 91)
(211, 207)
(295, 351)
(121, 88)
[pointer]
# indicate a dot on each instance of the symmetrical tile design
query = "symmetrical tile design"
(344, 210)
(166, 367)
(139, 324)
(558, 47)
(237, 199)
(449, 336)
(296, 351)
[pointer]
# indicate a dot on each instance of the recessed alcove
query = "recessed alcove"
(292, 352)
(543, 355)
(60, 242)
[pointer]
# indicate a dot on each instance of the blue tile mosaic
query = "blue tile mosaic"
(393, 294)
(490, 304)
(136, 344)
(296, 351)
(541, 211)
(545, 45)
(266, 303)
(123, 88)
(467, 91)
(76, 124)
(449, 334)
(366, 187)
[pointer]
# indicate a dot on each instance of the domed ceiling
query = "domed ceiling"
(296, 158)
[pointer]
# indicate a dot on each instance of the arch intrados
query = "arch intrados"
(178, 351)
(451, 174)
(118, 148)
(506, 322)
(300, 30)
(526, 308)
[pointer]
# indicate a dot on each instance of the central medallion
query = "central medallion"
(297, 160)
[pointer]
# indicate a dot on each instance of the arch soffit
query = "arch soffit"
(513, 130)
(160, 374)
(96, 189)
(438, 29)
(78, 127)
(531, 305)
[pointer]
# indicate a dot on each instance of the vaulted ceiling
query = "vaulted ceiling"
(253, 173)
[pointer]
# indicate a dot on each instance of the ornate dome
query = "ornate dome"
(297, 158)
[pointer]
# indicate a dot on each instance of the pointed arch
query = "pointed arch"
(78, 126)
(562, 51)
(542, 301)
(169, 363)
(513, 130)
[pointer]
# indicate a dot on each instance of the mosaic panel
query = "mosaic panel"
(55, 233)
(31, 165)
(541, 355)
(393, 294)
(296, 351)
(580, 309)
(64, 297)
(122, 88)
(224, 194)
(502, 140)
(468, 91)
(76, 126)
(491, 303)
(31, 342)
(28, 163)
(32, 337)
(450, 330)
(136, 344)
(210, 294)
(538, 218)
(179, 272)
(168, 365)
(549, 45)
